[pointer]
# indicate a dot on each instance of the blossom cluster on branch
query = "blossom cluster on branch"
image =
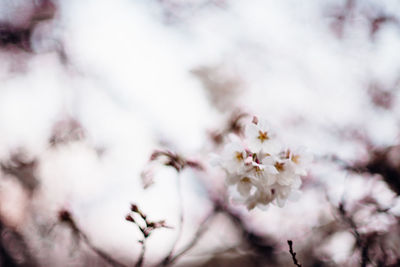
(261, 169)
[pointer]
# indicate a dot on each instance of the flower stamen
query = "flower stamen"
(279, 166)
(262, 136)
(245, 180)
(296, 159)
(239, 156)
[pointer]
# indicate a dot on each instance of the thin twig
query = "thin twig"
(204, 225)
(146, 230)
(262, 245)
(295, 262)
(181, 217)
(66, 217)
(101, 253)
(140, 261)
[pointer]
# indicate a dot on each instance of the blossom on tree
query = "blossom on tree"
(260, 170)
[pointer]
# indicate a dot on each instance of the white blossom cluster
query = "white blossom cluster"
(261, 170)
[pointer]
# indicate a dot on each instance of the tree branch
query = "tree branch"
(295, 262)
(204, 225)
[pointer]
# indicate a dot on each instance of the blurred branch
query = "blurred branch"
(142, 252)
(204, 226)
(181, 217)
(23, 169)
(65, 216)
(295, 262)
(361, 244)
(174, 160)
(14, 251)
(5, 258)
(261, 244)
(385, 162)
(19, 36)
(234, 125)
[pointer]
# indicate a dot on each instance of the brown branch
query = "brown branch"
(146, 230)
(204, 226)
(101, 253)
(295, 262)
(66, 217)
(261, 245)
(174, 160)
(361, 244)
(14, 250)
(264, 246)
(23, 168)
(181, 218)
(140, 261)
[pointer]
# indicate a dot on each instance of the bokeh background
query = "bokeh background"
(89, 89)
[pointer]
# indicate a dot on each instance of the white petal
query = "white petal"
(270, 169)
(284, 179)
(232, 179)
(296, 183)
(280, 201)
(251, 131)
(244, 188)
(264, 125)
(269, 179)
(271, 146)
(263, 207)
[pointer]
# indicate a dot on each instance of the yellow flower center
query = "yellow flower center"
(296, 159)
(262, 136)
(279, 166)
(239, 156)
(245, 180)
(258, 169)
